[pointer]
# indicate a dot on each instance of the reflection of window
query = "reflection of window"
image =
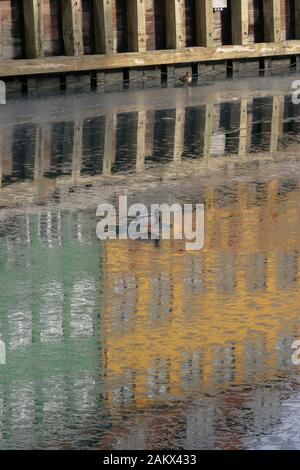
(19, 314)
(193, 278)
(226, 273)
(158, 377)
(200, 427)
(22, 409)
(224, 363)
(84, 394)
(123, 299)
(124, 393)
(256, 271)
(160, 297)
(286, 264)
(191, 368)
(51, 311)
(266, 406)
(55, 398)
(82, 308)
(49, 228)
(254, 356)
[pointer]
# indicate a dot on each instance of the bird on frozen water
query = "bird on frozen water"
(186, 78)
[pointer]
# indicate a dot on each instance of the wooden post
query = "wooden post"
(297, 19)
(72, 27)
(179, 134)
(141, 140)
(136, 13)
(109, 143)
(204, 23)
(239, 21)
(272, 20)
(77, 150)
(103, 23)
(33, 28)
(175, 24)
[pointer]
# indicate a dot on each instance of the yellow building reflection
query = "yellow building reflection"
(178, 322)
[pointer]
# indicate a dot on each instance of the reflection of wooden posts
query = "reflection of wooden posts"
(33, 28)
(136, 13)
(297, 19)
(103, 26)
(272, 20)
(204, 23)
(141, 140)
(109, 143)
(208, 127)
(179, 134)
(175, 24)
(239, 21)
(77, 150)
(272, 190)
(72, 27)
(42, 150)
(243, 128)
(275, 124)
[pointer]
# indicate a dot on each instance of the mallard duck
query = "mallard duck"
(186, 78)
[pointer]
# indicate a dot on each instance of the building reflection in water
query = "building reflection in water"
(130, 345)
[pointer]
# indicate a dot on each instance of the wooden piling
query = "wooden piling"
(136, 15)
(33, 28)
(103, 26)
(272, 20)
(118, 35)
(175, 24)
(204, 23)
(72, 27)
(239, 21)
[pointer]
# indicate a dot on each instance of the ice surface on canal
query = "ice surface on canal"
(130, 344)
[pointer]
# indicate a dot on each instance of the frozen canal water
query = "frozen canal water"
(135, 345)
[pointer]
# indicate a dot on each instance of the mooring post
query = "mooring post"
(272, 20)
(204, 23)
(103, 26)
(110, 138)
(33, 28)
(136, 14)
(72, 27)
(175, 35)
(239, 21)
